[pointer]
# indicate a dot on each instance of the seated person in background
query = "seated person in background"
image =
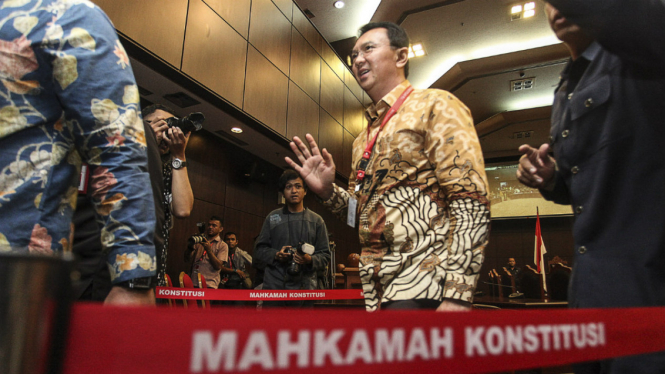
(234, 270)
(209, 255)
(284, 231)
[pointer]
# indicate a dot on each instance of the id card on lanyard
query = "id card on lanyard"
(367, 154)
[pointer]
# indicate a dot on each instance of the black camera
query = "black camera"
(195, 239)
(302, 248)
(202, 227)
(193, 122)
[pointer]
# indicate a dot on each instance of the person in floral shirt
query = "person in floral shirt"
(68, 96)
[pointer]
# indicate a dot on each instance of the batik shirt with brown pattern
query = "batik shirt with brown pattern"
(423, 212)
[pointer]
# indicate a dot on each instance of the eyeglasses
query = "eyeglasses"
(365, 50)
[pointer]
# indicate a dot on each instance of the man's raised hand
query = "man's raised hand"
(316, 168)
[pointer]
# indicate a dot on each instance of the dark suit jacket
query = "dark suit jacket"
(609, 143)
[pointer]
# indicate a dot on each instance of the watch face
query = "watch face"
(176, 163)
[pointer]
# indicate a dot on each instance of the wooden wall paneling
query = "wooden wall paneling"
(207, 167)
(234, 12)
(331, 135)
(270, 192)
(351, 82)
(183, 229)
(354, 114)
(270, 33)
(303, 114)
(286, 7)
(246, 226)
(214, 53)
(266, 92)
(332, 60)
(163, 36)
(347, 154)
(305, 65)
(332, 93)
(311, 34)
(367, 101)
(245, 196)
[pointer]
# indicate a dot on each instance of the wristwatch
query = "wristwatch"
(144, 283)
(178, 163)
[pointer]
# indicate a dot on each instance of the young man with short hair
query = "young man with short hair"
(282, 244)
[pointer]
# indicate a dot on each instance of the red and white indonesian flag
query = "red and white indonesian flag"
(539, 252)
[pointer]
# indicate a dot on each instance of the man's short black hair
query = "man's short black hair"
(155, 107)
(396, 34)
(216, 218)
(230, 233)
(289, 175)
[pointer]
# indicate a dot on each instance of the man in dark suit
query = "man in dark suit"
(608, 132)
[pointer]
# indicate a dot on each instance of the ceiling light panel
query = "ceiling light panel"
(525, 10)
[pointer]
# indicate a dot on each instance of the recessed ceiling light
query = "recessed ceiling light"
(236, 130)
(529, 13)
(529, 6)
(416, 50)
(516, 9)
(338, 4)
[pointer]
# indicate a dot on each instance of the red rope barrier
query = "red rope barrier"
(214, 294)
(168, 340)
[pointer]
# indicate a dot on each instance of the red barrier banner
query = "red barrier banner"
(215, 294)
(228, 340)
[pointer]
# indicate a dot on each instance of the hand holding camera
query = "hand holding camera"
(284, 255)
(302, 255)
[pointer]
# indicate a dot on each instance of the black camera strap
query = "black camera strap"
(288, 223)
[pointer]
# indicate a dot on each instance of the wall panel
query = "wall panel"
(235, 12)
(331, 135)
(347, 154)
(305, 66)
(266, 92)
(302, 24)
(270, 33)
(214, 53)
(332, 93)
(286, 7)
(303, 114)
(351, 82)
(211, 177)
(332, 60)
(163, 37)
(354, 114)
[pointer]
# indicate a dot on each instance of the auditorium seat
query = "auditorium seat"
(186, 282)
(558, 282)
(531, 284)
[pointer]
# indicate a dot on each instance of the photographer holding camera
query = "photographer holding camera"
(172, 135)
(166, 139)
(209, 253)
(293, 243)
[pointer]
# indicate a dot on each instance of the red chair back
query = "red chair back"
(202, 284)
(169, 284)
(186, 282)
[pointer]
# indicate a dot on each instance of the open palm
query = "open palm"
(316, 168)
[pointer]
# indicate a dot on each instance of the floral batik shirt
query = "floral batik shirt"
(68, 95)
(423, 212)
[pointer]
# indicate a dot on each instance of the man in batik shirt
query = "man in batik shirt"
(67, 86)
(422, 201)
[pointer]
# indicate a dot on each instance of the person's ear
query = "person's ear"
(401, 57)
